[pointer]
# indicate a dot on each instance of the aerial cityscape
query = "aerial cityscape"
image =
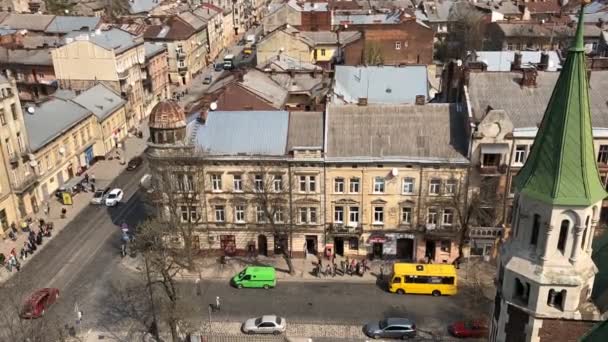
(303, 170)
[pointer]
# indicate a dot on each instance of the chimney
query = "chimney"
(528, 77)
(516, 65)
(544, 61)
(362, 101)
(420, 100)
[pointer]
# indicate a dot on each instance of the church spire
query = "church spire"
(562, 169)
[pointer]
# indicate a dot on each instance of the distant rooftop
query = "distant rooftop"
(26, 57)
(66, 24)
(31, 22)
(153, 49)
(112, 39)
(501, 60)
(380, 84)
(366, 19)
(100, 100)
(142, 6)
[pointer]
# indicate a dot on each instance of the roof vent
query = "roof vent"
(362, 101)
(420, 100)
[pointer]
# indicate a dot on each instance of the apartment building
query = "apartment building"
(118, 57)
(214, 17)
(156, 80)
(32, 70)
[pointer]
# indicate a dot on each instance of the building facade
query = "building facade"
(156, 80)
(32, 70)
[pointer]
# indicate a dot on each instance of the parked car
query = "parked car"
(208, 79)
(134, 163)
(218, 67)
(99, 196)
(114, 197)
(391, 328)
(256, 276)
(267, 324)
(37, 303)
(468, 329)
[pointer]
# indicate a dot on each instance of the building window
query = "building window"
(434, 186)
(490, 160)
(353, 214)
(2, 118)
(258, 183)
(339, 214)
(520, 154)
(339, 185)
(378, 215)
(354, 185)
(277, 183)
(14, 111)
(312, 215)
(446, 246)
(308, 184)
(450, 186)
(378, 185)
(431, 217)
(189, 182)
(556, 299)
(563, 235)
(408, 186)
(260, 217)
(448, 217)
(189, 214)
(20, 142)
(602, 155)
(353, 244)
(278, 215)
(397, 45)
(535, 230)
(406, 215)
(322, 52)
(216, 182)
(522, 291)
(239, 214)
(220, 213)
(9, 147)
(237, 183)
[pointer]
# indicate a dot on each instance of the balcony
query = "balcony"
(492, 169)
(491, 233)
(181, 55)
(25, 183)
(182, 69)
(13, 158)
(123, 75)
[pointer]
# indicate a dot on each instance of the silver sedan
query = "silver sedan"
(267, 324)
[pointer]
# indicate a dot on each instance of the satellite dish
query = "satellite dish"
(394, 172)
(33, 163)
(62, 150)
(213, 106)
(31, 110)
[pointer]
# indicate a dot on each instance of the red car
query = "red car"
(38, 302)
(468, 329)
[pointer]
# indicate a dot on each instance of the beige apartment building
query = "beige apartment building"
(156, 80)
(16, 175)
(378, 183)
(111, 56)
(214, 17)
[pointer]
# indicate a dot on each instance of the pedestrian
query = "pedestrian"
(92, 187)
(358, 268)
(381, 271)
(335, 269)
(217, 303)
(48, 208)
(22, 254)
(64, 211)
(86, 177)
(327, 270)
(342, 267)
(352, 266)
(92, 178)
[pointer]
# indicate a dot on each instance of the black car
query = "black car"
(134, 163)
(218, 67)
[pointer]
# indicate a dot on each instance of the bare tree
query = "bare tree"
(466, 31)
(177, 196)
(271, 189)
(372, 54)
(162, 267)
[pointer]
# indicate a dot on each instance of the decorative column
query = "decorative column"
(545, 256)
(590, 234)
(576, 247)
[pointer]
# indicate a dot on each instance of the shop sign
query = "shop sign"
(405, 236)
(376, 239)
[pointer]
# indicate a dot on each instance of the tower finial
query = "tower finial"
(579, 42)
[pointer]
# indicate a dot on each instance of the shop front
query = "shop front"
(399, 246)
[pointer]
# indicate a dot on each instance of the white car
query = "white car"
(267, 324)
(114, 197)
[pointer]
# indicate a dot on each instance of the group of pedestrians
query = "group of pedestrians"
(351, 267)
(34, 239)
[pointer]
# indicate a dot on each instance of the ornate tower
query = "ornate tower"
(545, 271)
(167, 123)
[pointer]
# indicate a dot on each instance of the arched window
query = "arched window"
(556, 299)
(535, 230)
(563, 235)
(585, 233)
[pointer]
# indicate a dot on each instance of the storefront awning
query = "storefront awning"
(494, 148)
(378, 238)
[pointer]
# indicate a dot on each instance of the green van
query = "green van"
(256, 277)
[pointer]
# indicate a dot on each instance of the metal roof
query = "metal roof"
(26, 57)
(51, 119)
(153, 49)
(380, 84)
(501, 60)
(244, 133)
(112, 39)
(31, 22)
(100, 100)
(66, 24)
(396, 132)
(142, 6)
(305, 130)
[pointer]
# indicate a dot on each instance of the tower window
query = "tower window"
(522, 291)
(563, 234)
(556, 299)
(535, 230)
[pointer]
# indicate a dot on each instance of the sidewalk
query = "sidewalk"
(104, 170)
(478, 272)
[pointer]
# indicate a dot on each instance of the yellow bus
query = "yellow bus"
(435, 279)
